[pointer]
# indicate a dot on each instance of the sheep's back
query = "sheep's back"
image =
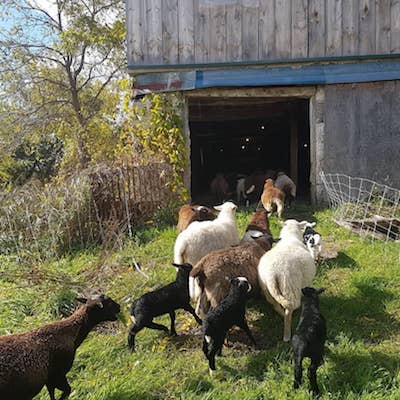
(201, 238)
(292, 267)
(24, 365)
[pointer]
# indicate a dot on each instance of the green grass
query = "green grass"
(361, 305)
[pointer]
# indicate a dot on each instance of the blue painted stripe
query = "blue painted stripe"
(305, 75)
(314, 74)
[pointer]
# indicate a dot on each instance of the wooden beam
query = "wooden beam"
(295, 91)
(293, 149)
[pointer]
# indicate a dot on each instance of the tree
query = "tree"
(57, 65)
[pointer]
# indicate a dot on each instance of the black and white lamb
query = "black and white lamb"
(312, 240)
(309, 338)
(230, 312)
(161, 301)
(43, 356)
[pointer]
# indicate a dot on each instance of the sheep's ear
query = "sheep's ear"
(218, 208)
(275, 240)
(249, 289)
(312, 224)
(176, 265)
(81, 299)
(319, 291)
(303, 225)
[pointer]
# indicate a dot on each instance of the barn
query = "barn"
(299, 85)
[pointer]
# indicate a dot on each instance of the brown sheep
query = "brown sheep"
(220, 188)
(272, 196)
(190, 213)
(43, 356)
(209, 279)
(257, 226)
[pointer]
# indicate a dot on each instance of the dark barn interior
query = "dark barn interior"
(242, 135)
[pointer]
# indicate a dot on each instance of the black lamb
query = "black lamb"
(162, 301)
(230, 312)
(309, 338)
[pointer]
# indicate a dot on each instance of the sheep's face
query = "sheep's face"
(242, 283)
(103, 308)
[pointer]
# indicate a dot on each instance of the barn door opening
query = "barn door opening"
(239, 136)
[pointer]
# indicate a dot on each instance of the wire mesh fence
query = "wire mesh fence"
(43, 222)
(364, 206)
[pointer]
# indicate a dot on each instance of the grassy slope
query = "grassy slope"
(361, 305)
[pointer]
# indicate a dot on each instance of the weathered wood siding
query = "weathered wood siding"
(362, 131)
(207, 31)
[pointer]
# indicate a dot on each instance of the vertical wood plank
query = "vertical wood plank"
(282, 28)
(217, 33)
(333, 27)
(170, 31)
(350, 27)
(266, 27)
(136, 29)
(294, 148)
(201, 31)
(395, 26)
(367, 27)
(250, 29)
(234, 30)
(186, 31)
(316, 30)
(154, 32)
(299, 29)
(383, 26)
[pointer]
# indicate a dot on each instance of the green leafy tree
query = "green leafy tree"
(58, 66)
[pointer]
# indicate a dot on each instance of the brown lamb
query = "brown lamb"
(212, 274)
(190, 213)
(272, 197)
(43, 356)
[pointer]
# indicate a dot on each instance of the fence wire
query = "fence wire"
(43, 222)
(364, 206)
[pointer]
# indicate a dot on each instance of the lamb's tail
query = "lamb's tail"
(274, 288)
(194, 288)
(179, 252)
(196, 285)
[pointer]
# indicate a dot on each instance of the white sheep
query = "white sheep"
(200, 238)
(285, 270)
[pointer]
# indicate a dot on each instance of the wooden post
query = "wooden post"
(293, 149)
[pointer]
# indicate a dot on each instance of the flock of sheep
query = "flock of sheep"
(217, 272)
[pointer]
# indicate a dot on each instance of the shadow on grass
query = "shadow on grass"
(352, 372)
(341, 261)
(362, 316)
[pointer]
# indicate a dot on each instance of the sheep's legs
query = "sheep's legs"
(61, 384)
(51, 388)
(172, 316)
(134, 329)
(298, 371)
(312, 376)
(279, 208)
(158, 327)
(246, 328)
(287, 325)
(192, 311)
(64, 386)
